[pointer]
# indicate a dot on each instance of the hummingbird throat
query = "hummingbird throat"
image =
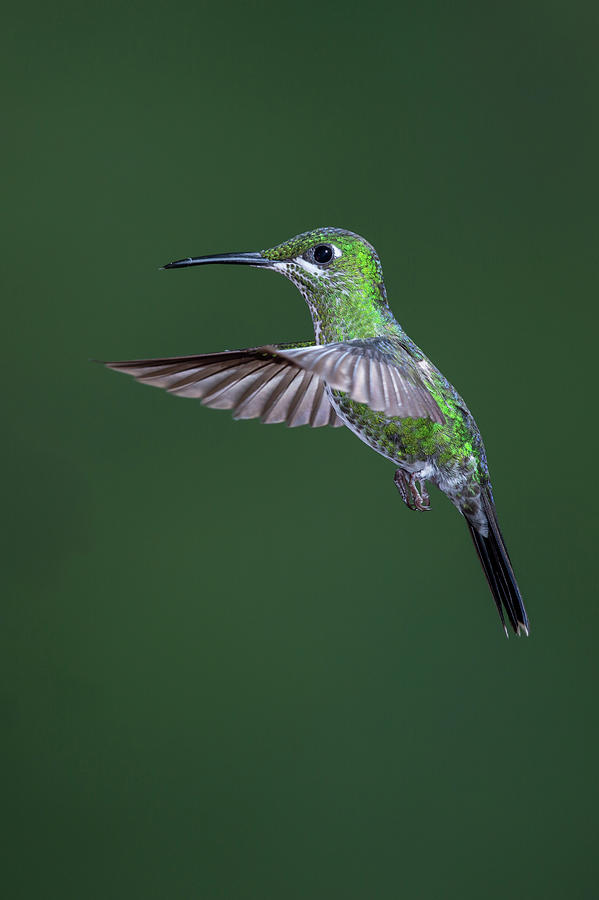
(344, 305)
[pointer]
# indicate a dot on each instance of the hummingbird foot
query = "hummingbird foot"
(412, 491)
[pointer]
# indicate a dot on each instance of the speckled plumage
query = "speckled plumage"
(362, 371)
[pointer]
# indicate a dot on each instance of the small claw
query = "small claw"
(412, 491)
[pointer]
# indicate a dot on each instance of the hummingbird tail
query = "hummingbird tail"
(498, 569)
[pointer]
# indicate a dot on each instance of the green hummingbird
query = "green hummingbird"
(362, 371)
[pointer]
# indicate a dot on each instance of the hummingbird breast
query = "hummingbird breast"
(444, 454)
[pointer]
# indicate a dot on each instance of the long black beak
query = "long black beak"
(243, 259)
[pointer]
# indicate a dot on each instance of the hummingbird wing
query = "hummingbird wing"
(376, 372)
(254, 383)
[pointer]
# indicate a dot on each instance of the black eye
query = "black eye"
(323, 254)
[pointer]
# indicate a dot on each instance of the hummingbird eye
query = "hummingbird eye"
(323, 254)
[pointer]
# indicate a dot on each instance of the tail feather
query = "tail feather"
(498, 569)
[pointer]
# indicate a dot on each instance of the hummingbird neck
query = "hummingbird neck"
(344, 308)
(344, 320)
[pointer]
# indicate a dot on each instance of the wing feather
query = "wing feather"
(253, 402)
(298, 412)
(279, 403)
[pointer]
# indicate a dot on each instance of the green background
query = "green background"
(233, 664)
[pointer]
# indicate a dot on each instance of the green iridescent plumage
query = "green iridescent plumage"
(362, 371)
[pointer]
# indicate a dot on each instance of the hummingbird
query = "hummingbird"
(361, 371)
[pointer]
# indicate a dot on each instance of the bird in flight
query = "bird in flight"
(361, 371)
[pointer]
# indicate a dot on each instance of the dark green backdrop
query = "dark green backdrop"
(234, 665)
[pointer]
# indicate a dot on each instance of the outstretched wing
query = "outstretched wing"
(254, 383)
(286, 382)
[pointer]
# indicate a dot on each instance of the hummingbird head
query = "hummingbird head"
(338, 273)
(330, 261)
